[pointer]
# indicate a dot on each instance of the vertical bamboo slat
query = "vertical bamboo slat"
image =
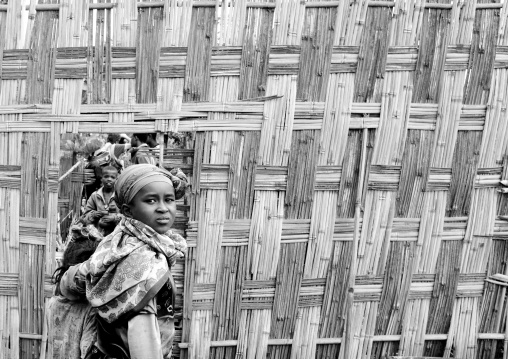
(10, 199)
(255, 52)
(349, 343)
(148, 46)
(199, 50)
(99, 56)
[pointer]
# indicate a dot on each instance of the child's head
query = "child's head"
(148, 193)
(151, 139)
(81, 244)
(113, 138)
(139, 138)
(78, 251)
(109, 176)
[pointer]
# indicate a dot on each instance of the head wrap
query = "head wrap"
(135, 177)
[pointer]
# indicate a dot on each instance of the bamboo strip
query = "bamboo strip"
(200, 334)
(14, 327)
(425, 113)
(502, 36)
(9, 232)
(462, 22)
(210, 228)
(349, 346)
(371, 64)
(431, 232)
(349, 175)
(197, 70)
(394, 118)
(253, 333)
(277, 124)
(322, 341)
(124, 25)
(484, 6)
(95, 6)
(396, 288)
(287, 21)
(375, 225)
(413, 336)
(321, 230)
(463, 340)
(148, 54)
(495, 129)
(265, 231)
(175, 18)
(336, 120)
(305, 336)
(99, 69)
(317, 27)
(288, 283)
(16, 39)
(446, 131)
(73, 31)
(255, 52)
(30, 336)
(283, 60)
(232, 21)
(44, 337)
(301, 174)
(169, 97)
(382, 3)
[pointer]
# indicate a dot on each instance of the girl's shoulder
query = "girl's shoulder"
(172, 234)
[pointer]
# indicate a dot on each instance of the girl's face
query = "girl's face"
(154, 205)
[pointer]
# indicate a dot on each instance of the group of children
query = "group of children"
(115, 294)
(120, 151)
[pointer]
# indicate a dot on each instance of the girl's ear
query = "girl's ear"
(126, 210)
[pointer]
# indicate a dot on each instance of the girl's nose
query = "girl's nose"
(162, 207)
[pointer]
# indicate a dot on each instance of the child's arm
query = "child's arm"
(110, 218)
(144, 337)
(72, 284)
(91, 214)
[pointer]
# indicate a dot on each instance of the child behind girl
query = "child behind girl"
(128, 278)
(71, 322)
(101, 210)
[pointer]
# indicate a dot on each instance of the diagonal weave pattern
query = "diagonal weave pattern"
(346, 161)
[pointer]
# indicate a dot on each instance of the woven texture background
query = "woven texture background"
(345, 157)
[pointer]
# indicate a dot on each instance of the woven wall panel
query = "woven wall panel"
(345, 160)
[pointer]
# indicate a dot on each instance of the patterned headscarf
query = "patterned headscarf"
(135, 177)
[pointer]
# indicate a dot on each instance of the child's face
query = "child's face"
(154, 205)
(109, 178)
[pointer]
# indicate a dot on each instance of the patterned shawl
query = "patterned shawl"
(129, 267)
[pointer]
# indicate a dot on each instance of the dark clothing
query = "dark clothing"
(97, 203)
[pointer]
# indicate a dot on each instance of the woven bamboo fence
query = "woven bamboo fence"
(348, 163)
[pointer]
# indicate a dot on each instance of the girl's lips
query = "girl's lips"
(162, 220)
